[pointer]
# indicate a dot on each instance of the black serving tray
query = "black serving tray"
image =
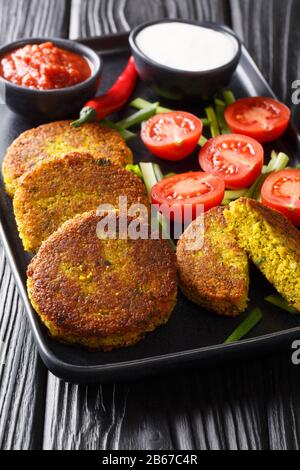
(192, 336)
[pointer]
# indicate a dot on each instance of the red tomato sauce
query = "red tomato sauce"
(44, 67)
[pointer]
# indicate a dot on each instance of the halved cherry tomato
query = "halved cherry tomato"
(237, 159)
(264, 119)
(172, 136)
(186, 192)
(281, 191)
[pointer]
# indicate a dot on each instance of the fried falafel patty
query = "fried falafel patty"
(216, 275)
(272, 243)
(57, 139)
(57, 189)
(100, 293)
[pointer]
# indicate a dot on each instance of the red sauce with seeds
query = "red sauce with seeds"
(44, 67)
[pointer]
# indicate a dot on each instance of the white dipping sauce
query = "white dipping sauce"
(184, 46)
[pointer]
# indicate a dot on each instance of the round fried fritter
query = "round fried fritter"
(57, 189)
(99, 293)
(57, 139)
(216, 275)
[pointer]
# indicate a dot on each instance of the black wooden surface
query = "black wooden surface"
(247, 405)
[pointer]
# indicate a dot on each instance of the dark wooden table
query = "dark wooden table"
(246, 405)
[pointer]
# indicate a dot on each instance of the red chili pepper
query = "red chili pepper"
(118, 95)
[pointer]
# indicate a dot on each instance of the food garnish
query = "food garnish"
(172, 136)
(112, 101)
(281, 191)
(237, 159)
(263, 119)
(245, 327)
(280, 302)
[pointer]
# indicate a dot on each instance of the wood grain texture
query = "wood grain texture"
(252, 405)
(221, 409)
(270, 30)
(97, 17)
(23, 378)
(283, 405)
(24, 18)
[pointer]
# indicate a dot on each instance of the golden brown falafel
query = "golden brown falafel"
(272, 243)
(101, 293)
(215, 276)
(57, 139)
(57, 189)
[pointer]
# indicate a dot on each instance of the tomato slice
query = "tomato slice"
(172, 136)
(264, 119)
(281, 191)
(186, 192)
(237, 159)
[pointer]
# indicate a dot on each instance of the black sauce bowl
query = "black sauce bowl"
(47, 105)
(176, 84)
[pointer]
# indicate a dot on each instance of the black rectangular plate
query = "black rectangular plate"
(192, 335)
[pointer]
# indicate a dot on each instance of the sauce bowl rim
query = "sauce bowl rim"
(94, 60)
(206, 24)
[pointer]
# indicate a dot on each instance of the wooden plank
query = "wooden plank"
(24, 18)
(283, 404)
(23, 377)
(270, 30)
(218, 409)
(98, 17)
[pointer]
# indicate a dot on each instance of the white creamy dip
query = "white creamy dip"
(184, 46)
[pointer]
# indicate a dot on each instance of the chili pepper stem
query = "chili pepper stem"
(87, 114)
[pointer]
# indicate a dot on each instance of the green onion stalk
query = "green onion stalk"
(278, 162)
(246, 326)
(127, 135)
(139, 117)
(280, 302)
(152, 175)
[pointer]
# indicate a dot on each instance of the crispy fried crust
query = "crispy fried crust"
(57, 139)
(57, 189)
(215, 276)
(101, 293)
(272, 243)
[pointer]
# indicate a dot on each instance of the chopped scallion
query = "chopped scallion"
(202, 141)
(127, 135)
(220, 110)
(135, 169)
(233, 195)
(205, 122)
(140, 103)
(150, 174)
(245, 327)
(280, 302)
(214, 126)
(139, 117)
(158, 173)
(229, 97)
(278, 162)
(226, 202)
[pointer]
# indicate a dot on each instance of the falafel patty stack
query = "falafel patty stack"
(57, 139)
(57, 189)
(100, 293)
